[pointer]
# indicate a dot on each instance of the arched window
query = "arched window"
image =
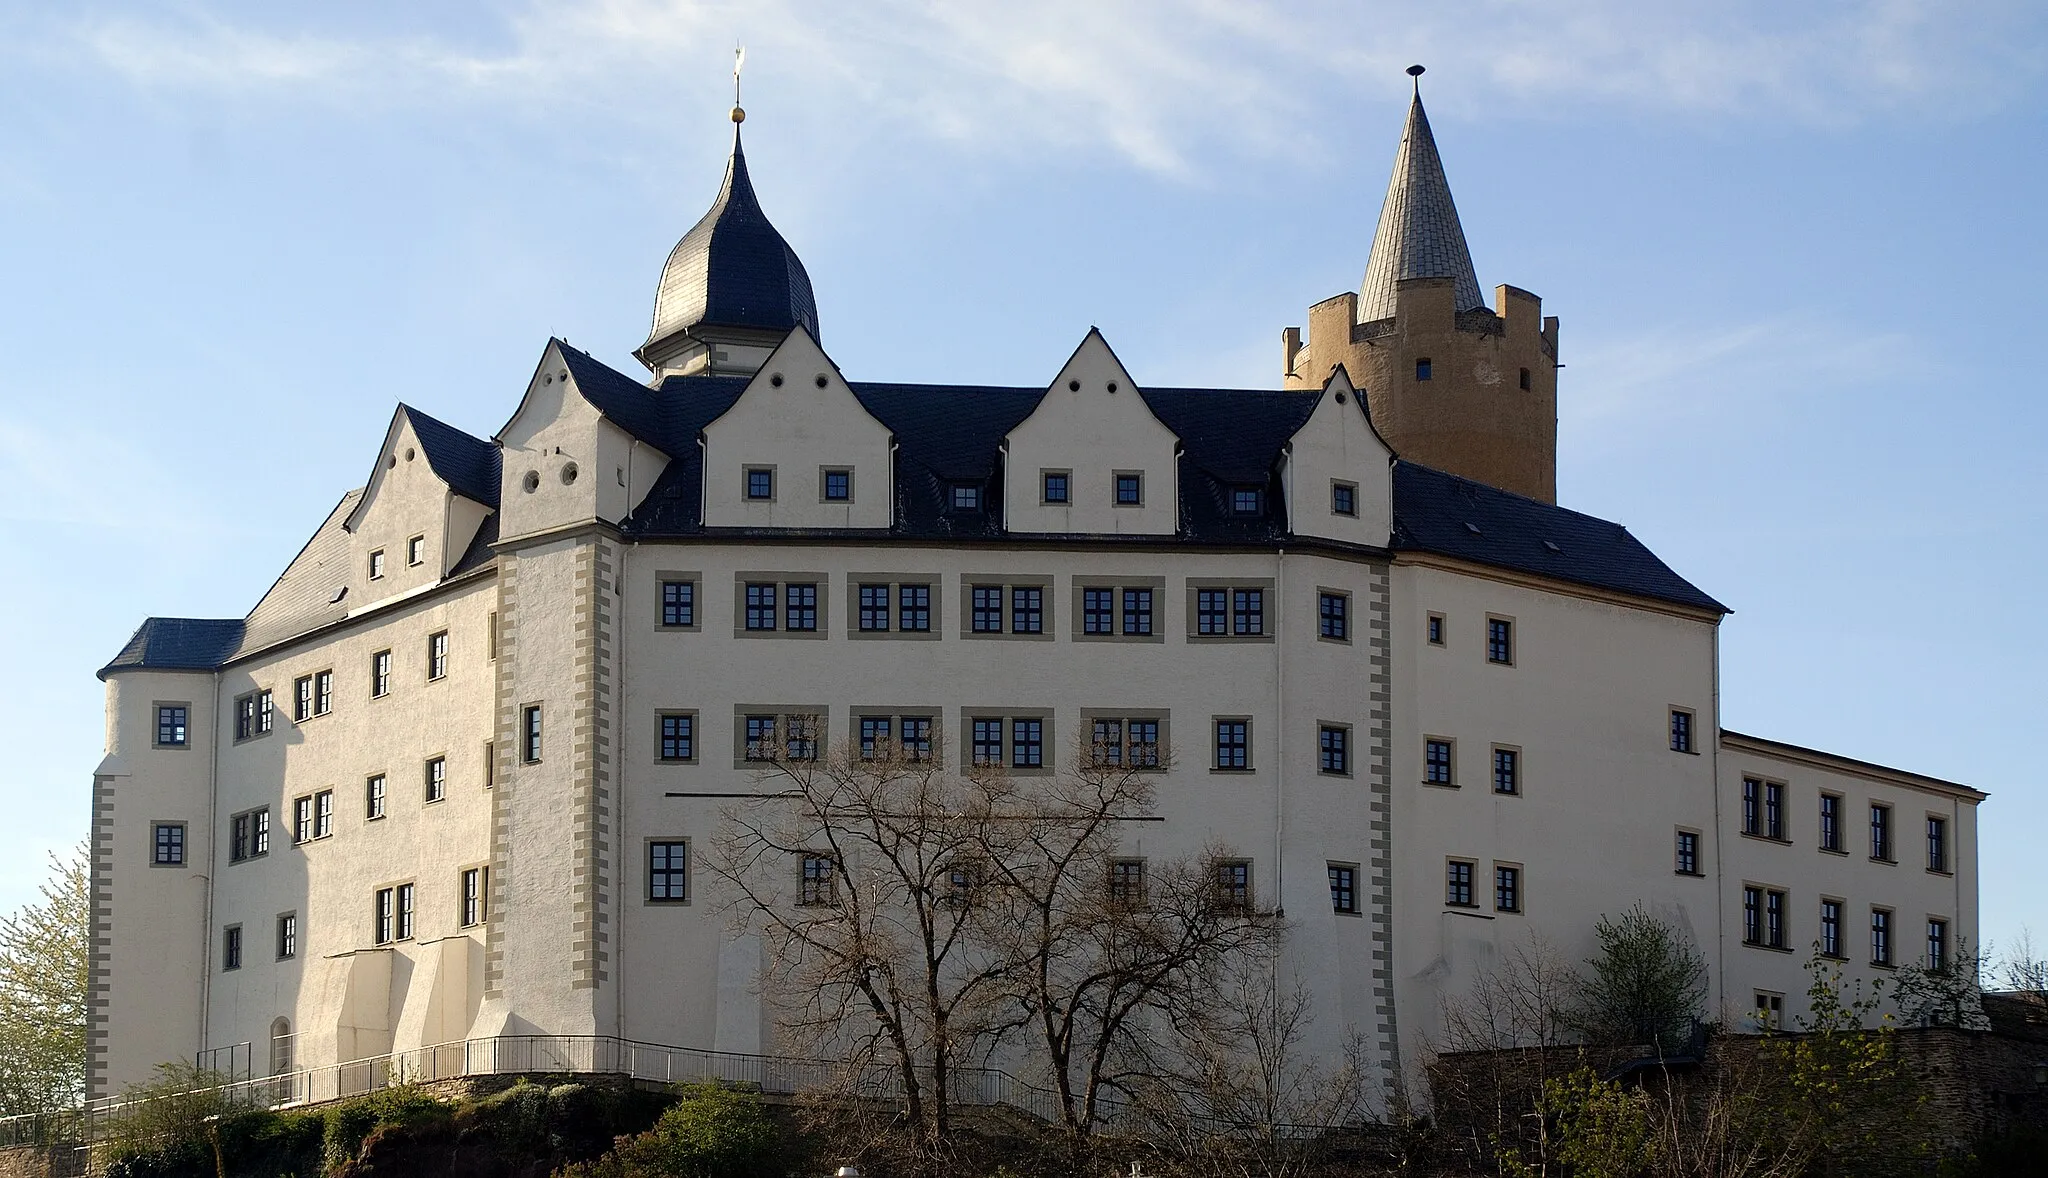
(280, 1046)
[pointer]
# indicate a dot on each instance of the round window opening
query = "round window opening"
(1073, 386)
(531, 482)
(775, 379)
(391, 463)
(1340, 398)
(410, 453)
(568, 473)
(821, 380)
(1112, 386)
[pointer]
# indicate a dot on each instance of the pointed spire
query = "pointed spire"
(1419, 235)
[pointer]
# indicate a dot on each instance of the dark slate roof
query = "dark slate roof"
(178, 644)
(630, 405)
(1452, 516)
(732, 269)
(1419, 235)
(468, 464)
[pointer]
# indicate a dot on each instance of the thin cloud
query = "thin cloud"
(1149, 81)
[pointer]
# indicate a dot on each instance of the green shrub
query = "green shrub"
(710, 1132)
(350, 1122)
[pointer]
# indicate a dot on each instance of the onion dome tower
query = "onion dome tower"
(732, 288)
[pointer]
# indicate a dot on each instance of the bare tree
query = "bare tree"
(2021, 968)
(1946, 993)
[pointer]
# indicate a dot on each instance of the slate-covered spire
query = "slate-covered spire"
(732, 273)
(1419, 235)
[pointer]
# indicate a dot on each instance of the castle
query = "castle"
(451, 777)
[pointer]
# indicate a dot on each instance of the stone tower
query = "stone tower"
(1452, 383)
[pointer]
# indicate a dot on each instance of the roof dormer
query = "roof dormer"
(1092, 458)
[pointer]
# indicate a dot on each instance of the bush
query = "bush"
(350, 1123)
(710, 1132)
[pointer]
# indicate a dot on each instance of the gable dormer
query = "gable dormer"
(1337, 471)
(583, 446)
(432, 488)
(798, 450)
(1092, 458)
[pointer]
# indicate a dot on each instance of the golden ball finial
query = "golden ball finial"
(739, 115)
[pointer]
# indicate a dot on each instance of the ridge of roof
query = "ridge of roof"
(467, 463)
(1418, 235)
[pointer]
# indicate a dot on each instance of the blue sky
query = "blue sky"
(1797, 250)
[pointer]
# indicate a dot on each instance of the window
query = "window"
(416, 550)
(1436, 762)
(915, 737)
(405, 912)
(1127, 881)
(1027, 610)
(838, 486)
(287, 936)
(1344, 498)
(1507, 771)
(1098, 611)
(802, 737)
(323, 692)
(1422, 368)
(761, 605)
(302, 698)
(387, 915)
(323, 813)
(1769, 1008)
(1130, 490)
(988, 609)
(231, 947)
(1830, 928)
(529, 734)
(380, 674)
(874, 608)
(302, 819)
(245, 717)
(1507, 888)
(476, 896)
(1774, 811)
(1233, 744)
(1522, 381)
(877, 733)
(668, 872)
(1830, 822)
(965, 497)
(1212, 611)
(1234, 881)
(377, 565)
(266, 711)
(437, 655)
(1106, 742)
(1880, 936)
(1774, 919)
(1344, 889)
(1763, 917)
(1688, 853)
(1334, 747)
(1937, 843)
(1435, 630)
(373, 797)
(1246, 501)
(761, 740)
(1937, 944)
(437, 779)
(1137, 612)
(1752, 812)
(678, 737)
(760, 482)
(1681, 730)
(679, 603)
(1333, 616)
(490, 764)
(1248, 611)
(1458, 883)
(491, 636)
(816, 889)
(249, 835)
(1053, 486)
(169, 844)
(1500, 641)
(914, 608)
(800, 608)
(1881, 833)
(1752, 916)
(171, 725)
(1027, 743)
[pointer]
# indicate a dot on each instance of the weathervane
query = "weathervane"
(739, 59)
(1414, 71)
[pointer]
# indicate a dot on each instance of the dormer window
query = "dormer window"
(377, 565)
(1246, 501)
(760, 482)
(838, 486)
(1422, 368)
(1056, 486)
(1130, 489)
(966, 497)
(1344, 498)
(416, 550)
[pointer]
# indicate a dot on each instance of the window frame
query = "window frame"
(1123, 481)
(230, 947)
(1344, 889)
(532, 733)
(415, 550)
(1333, 615)
(1435, 630)
(1333, 749)
(434, 779)
(1883, 834)
(667, 884)
(1682, 731)
(976, 605)
(1204, 614)
(179, 845)
(1682, 853)
(1883, 934)
(380, 674)
(1458, 885)
(376, 796)
(1344, 498)
(687, 611)
(817, 881)
(287, 942)
(761, 491)
(1508, 882)
(1830, 819)
(437, 656)
(1513, 753)
(966, 497)
(1238, 738)
(473, 910)
(1045, 488)
(172, 717)
(1939, 860)
(663, 738)
(826, 475)
(1500, 640)
(1449, 761)
(1829, 940)
(897, 589)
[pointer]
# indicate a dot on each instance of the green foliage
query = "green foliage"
(1589, 1128)
(1848, 1092)
(1645, 986)
(1946, 995)
(43, 960)
(711, 1132)
(169, 1124)
(351, 1122)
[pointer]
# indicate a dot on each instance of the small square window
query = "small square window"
(1130, 490)
(760, 482)
(838, 486)
(416, 550)
(1055, 486)
(1344, 498)
(1435, 630)
(1769, 1008)
(678, 603)
(172, 722)
(965, 497)
(1247, 501)
(169, 845)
